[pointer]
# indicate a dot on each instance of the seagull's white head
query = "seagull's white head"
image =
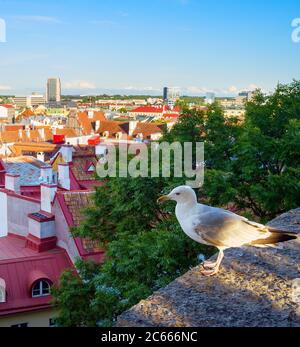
(182, 195)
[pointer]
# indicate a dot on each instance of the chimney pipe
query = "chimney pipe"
(64, 176)
(67, 153)
(47, 196)
(46, 174)
(12, 182)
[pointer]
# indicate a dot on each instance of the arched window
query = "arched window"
(40, 288)
(2, 291)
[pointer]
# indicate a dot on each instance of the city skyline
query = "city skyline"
(197, 46)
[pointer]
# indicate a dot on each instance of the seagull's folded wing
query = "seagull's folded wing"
(223, 229)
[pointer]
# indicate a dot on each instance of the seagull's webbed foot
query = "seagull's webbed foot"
(211, 268)
(209, 264)
(208, 273)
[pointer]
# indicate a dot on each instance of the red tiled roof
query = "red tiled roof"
(83, 158)
(171, 115)
(72, 204)
(7, 106)
(21, 266)
(147, 109)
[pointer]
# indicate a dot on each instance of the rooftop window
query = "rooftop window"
(41, 288)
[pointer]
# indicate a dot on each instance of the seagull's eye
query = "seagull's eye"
(177, 193)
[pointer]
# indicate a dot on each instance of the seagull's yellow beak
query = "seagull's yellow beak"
(163, 198)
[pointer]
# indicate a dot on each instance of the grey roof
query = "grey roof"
(29, 169)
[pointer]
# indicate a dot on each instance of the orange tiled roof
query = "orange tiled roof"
(86, 122)
(26, 113)
(68, 132)
(48, 134)
(147, 129)
(10, 136)
(113, 127)
(20, 147)
(12, 127)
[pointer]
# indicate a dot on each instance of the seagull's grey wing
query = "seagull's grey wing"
(222, 229)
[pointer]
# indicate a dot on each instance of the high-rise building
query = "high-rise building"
(165, 93)
(53, 90)
(210, 98)
(246, 94)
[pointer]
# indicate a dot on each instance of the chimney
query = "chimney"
(47, 196)
(12, 182)
(42, 233)
(67, 153)
(46, 174)
(28, 133)
(132, 126)
(40, 156)
(64, 176)
(42, 133)
(101, 149)
(20, 134)
(90, 114)
(97, 126)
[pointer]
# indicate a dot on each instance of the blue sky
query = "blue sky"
(131, 46)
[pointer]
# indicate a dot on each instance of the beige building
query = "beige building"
(39, 319)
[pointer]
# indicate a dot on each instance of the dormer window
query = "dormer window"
(40, 288)
(2, 291)
(91, 169)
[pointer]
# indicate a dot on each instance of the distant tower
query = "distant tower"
(210, 98)
(173, 96)
(53, 91)
(165, 93)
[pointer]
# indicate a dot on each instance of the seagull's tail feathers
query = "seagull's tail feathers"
(275, 236)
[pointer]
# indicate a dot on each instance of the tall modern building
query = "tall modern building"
(210, 98)
(53, 90)
(165, 93)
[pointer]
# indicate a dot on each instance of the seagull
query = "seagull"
(220, 228)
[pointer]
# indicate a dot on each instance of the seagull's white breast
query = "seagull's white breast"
(188, 216)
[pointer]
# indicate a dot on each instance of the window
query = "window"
(41, 288)
(2, 291)
(21, 325)
(91, 168)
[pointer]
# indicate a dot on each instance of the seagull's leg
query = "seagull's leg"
(214, 270)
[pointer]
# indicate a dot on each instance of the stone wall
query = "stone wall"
(253, 288)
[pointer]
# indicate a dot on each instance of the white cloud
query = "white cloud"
(4, 88)
(34, 18)
(79, 85)
(233, 89)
